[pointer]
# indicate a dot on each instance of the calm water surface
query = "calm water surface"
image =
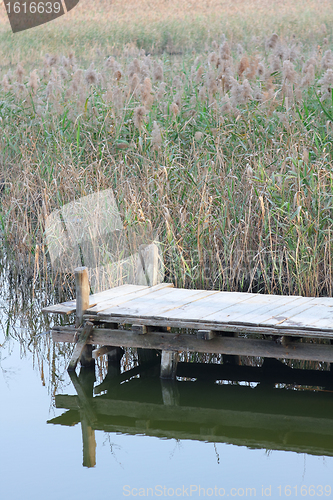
(145, 444)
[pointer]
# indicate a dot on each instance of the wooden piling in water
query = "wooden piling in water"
(82, 351)
(82, 293)
(169, 362)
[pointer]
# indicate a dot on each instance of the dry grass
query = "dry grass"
(173, 27)
(228, 156)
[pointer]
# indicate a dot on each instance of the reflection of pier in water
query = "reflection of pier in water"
(225, 403)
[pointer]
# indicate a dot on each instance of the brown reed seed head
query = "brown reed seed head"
(134, 83)
(117, 75)
(34, 81)
(174, 109)
(6, 83)
(91, 76)
(139, 116)
(158, 73)
(19, 73)
(146, 93)
(156, 137)
(288, 71)
(326, 83)
(243, 65)
(272, 41)
(327, 60)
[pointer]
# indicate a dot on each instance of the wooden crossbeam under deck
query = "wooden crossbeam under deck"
(218, 345)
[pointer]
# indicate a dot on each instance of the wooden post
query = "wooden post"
(82, 304)
(82, 293)
(169, 363)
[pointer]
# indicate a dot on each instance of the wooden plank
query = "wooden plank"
(82, 340)
(239, 312)
(157, 296)
(121, 299)
(218, 345)
(158, 303)
(206, 304)
(316, 316)
(219, 327)
(279, 318)
(70, 306)
(222, 301)
(267, 309)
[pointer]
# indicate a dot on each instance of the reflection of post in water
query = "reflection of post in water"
(84, 387)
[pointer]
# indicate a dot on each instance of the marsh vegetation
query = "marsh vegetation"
(213, 122)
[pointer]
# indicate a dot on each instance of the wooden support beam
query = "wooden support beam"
(227, 358)
(140, 329)
(206, 334)
(80, 345)
(217, 327)
(169, 361)
(219, 345)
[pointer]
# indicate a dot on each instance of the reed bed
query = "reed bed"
(226, 152)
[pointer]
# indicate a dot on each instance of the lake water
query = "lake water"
(192, 439)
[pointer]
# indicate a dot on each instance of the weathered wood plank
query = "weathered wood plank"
(238, 312)
(206, 305)
(159, 303)
(218, 327)
(218, 345)
(268, 309)
(70, 306)
(317, 316)
(121, 299)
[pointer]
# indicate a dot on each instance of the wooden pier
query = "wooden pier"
(154, 318)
